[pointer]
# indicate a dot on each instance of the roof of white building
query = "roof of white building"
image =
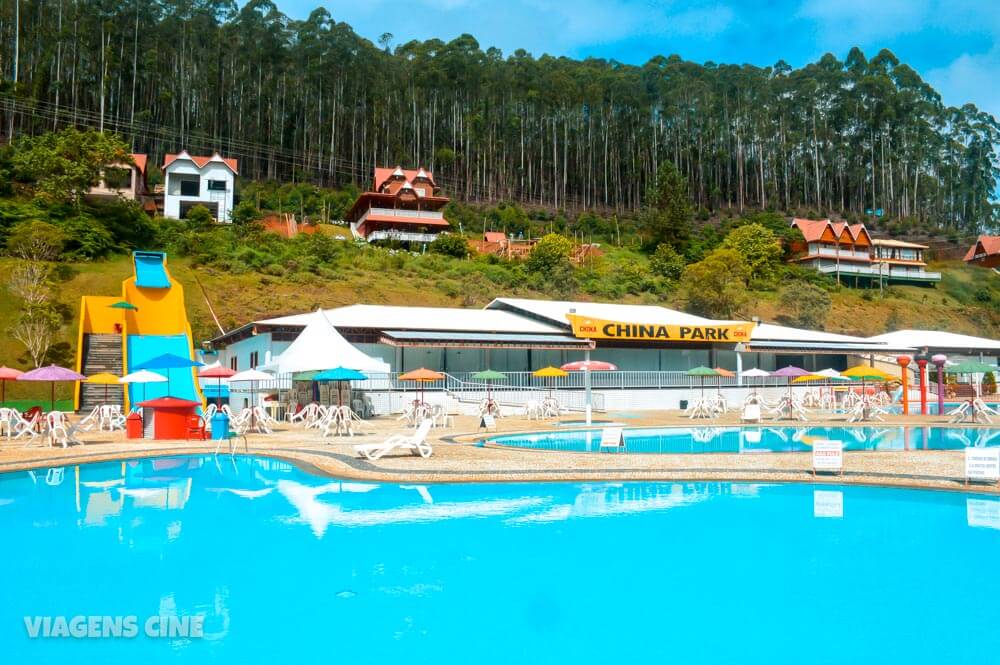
(939, 339)
(556, 311)
(394, 317)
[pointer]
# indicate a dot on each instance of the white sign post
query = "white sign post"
(828, 456)
(612, 437)
(488, 422)
(982, 464)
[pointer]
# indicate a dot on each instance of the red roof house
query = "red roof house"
(403, 205)
(986, 252)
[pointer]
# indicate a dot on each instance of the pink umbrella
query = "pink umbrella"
(589, 365)
(52, 373)
(790, 372)
(7, 374)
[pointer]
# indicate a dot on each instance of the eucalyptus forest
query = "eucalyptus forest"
(310, 100)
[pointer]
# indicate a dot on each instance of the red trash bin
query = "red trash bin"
(133, 426)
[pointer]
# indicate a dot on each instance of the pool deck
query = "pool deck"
(457, 459)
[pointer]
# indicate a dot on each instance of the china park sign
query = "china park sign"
(585, 326)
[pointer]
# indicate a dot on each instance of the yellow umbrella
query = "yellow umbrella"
(550, 373)
(104, 379)
(866, 373)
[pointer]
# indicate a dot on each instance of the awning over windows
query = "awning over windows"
(483, 340)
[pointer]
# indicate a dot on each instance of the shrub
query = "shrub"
(450, 244)
(666, 262)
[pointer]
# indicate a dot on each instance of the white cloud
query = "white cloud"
(970, 77)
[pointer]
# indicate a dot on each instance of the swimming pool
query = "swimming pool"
(286, 567)
(756, 439)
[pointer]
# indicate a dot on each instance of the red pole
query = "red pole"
(922, 366)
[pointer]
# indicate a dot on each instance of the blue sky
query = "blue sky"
(954, 44)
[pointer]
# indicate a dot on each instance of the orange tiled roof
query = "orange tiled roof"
(140, 161)
(383, 174)
(199, 160)
(812, 229)
(990, 244)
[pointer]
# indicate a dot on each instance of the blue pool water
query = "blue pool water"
(291, 568)
(760, 439)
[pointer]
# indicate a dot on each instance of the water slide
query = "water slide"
(159, 325)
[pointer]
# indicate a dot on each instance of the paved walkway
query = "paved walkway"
(457, 458)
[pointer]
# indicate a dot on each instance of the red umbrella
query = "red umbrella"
(7, 374)
(219, 373)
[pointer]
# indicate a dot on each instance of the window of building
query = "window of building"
(216, 185)
(234, 364)
(254, 357)
(190, 188)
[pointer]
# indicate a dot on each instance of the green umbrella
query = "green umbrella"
(702, 372)
(121, 304)
(969, 367)
(489, 375)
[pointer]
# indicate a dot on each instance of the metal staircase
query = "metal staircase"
(101, 353)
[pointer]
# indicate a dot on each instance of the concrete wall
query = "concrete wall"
(172, 197)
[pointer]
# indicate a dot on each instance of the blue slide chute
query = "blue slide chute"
(150, 270)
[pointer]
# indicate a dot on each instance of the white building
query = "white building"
(205, 181)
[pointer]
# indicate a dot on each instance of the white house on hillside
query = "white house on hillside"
(205, 181)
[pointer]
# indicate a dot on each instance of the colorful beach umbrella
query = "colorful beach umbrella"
(218, 373)
(790, 372)
(702, 372)
(550, 373)
(143, 376)
(422, 376)
(104, 379)
(169, 361)
(489, 376)
(722, 373)
(52, 374)
(340, 375)
(7, 374)
(253, 377)
(589, 365)
(121, 304)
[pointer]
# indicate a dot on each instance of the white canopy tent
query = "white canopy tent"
(319, 346)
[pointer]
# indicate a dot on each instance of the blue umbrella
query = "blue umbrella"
(339, 374)
(168, 361)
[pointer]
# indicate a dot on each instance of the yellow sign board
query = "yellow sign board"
(585, 326)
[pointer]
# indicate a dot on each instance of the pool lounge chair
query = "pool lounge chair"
(415, 443)
(751, 413)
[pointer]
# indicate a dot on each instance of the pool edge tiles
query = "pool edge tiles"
(753, 439)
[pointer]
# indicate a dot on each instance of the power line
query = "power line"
(246, 149)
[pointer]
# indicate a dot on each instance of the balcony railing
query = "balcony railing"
(878, 269)
(402, 212)
(400, 236)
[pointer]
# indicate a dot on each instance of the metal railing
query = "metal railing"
(521, 381)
